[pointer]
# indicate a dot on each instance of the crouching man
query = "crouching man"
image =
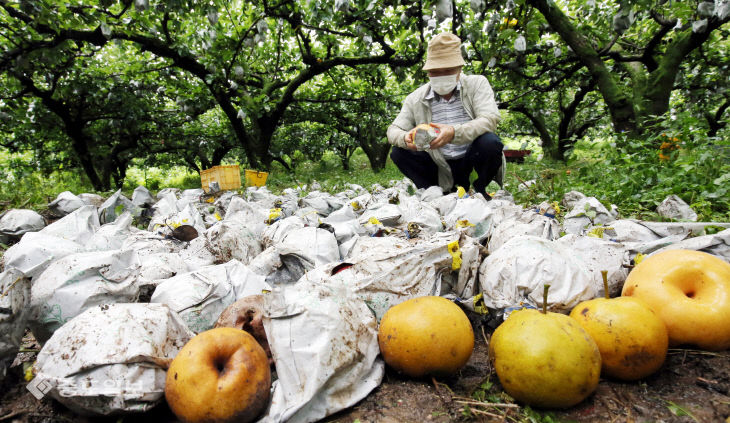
(463, 111)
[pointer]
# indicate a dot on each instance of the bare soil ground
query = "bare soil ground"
(692, 386)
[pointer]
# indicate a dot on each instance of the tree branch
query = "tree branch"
(661, 80)
(619, 104)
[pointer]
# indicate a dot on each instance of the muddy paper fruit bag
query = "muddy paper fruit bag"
(385, 271)
(324, 342)
(424, 135)
(78, 282)
(111, 358)
(14, 300)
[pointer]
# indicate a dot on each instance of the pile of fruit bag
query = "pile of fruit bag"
(372, 249)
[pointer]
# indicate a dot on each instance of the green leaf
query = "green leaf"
(679, 411)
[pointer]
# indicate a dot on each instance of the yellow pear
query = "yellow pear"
(222, 375)
(632, 339)
(545, 359)
(426, 336)
(690, 292)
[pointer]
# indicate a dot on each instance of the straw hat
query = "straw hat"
(444, 51)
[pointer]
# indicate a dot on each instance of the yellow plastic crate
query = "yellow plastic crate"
(255, 178)
(227, 176)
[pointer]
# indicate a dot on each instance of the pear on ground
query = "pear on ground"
(632, 339)
(690, 292)
(222, 375)
(545, 359)
(426, 336)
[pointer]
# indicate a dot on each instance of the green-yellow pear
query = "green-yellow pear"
(545, 359)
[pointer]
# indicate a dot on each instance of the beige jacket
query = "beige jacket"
(478, 100)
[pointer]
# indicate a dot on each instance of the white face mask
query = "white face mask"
(443, 84)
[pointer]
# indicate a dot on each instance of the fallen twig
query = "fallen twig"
(485, 413)
(11, 415)
(462, 400)
(698, 352)
(436, 385)
(711, 385)
(522, 181)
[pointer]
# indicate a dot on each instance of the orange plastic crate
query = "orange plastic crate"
(227, 176)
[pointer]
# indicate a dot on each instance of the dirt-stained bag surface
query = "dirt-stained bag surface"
(111, 359)
(324, 342)
(14, 311)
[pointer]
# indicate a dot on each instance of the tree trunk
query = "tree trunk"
(378, 160)
(374, 146)
(661, 81)
(714, 121)
(345, 160)
(218, 155)
(73, 128)
(262, 134)
(190, 161)
(80, 146)
(566, 137)
(244, 138)
(204, 162)
(343, 152)
(377, 154)
(120, 173)
(620, 106)
(548, 146)
(350, 152)
(283, 162)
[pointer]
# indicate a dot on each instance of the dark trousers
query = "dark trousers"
(484, 155)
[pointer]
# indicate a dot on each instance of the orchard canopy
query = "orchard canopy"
(95, 84)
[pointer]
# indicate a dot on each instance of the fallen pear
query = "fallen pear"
(545, 359)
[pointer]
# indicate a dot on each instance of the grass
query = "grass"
(488, 400)
(636, 181)
(329, 173)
